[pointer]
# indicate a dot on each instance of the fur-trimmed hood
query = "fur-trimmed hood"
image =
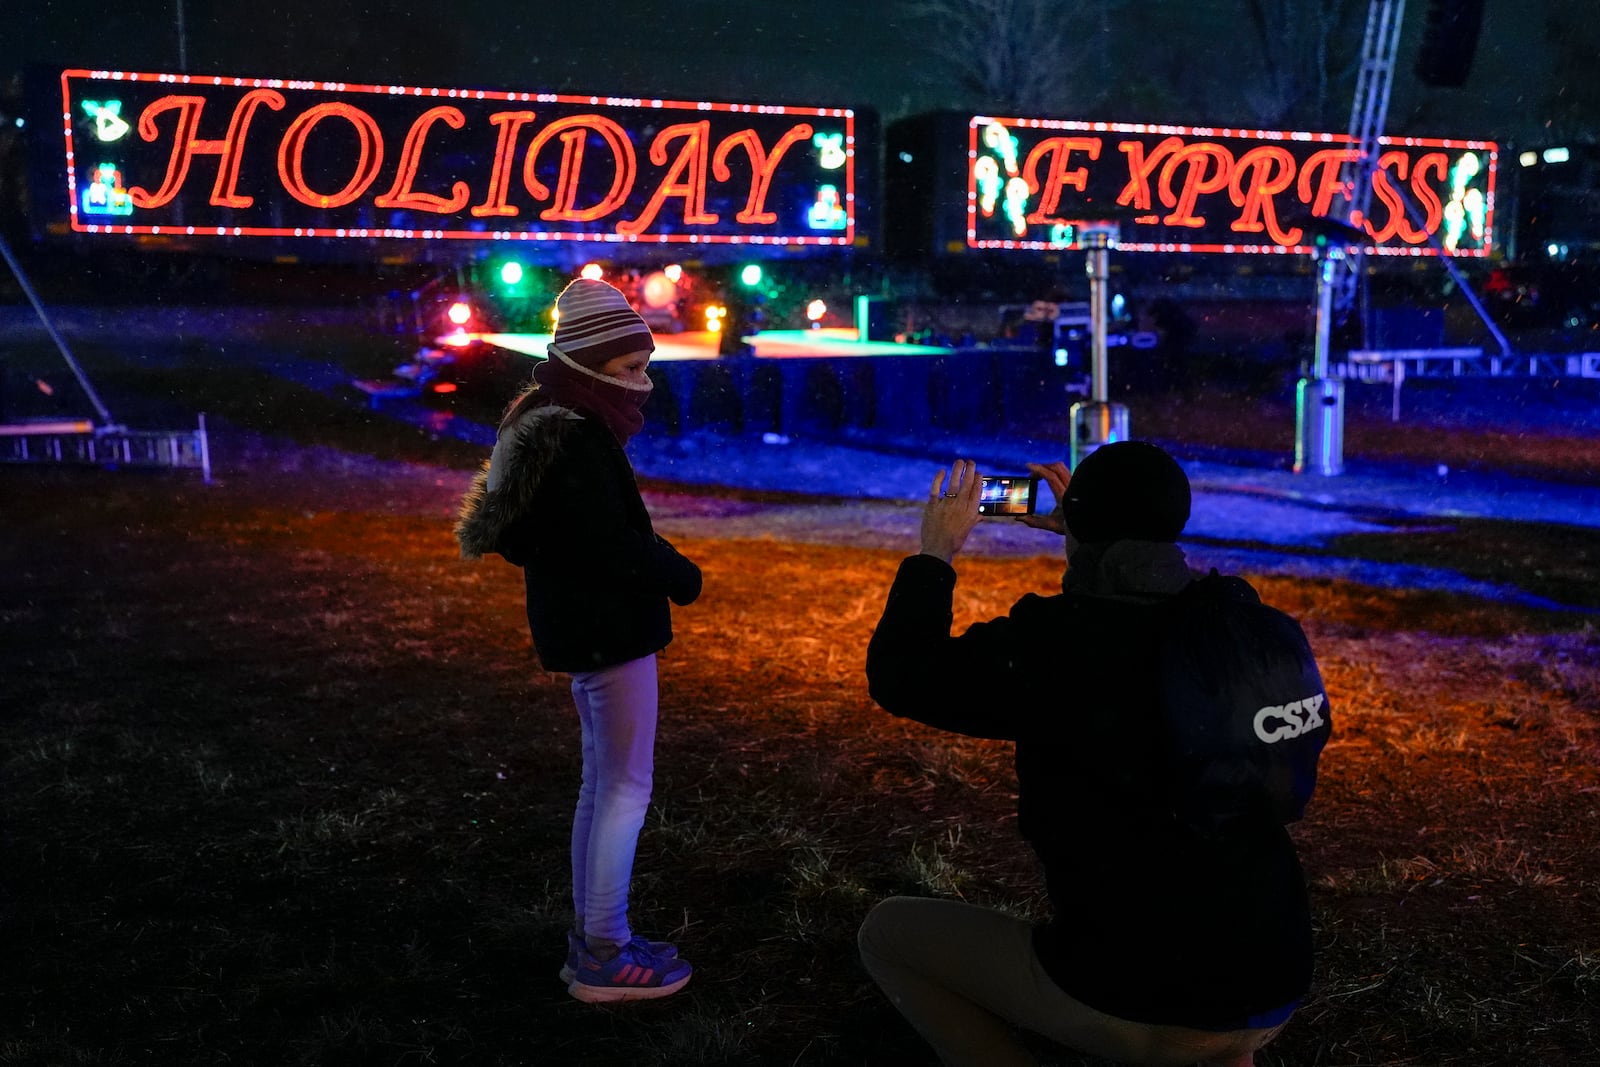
(503, 489)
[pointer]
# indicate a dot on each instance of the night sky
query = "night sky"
(1532, 79)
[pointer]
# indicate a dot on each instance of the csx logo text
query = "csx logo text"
(1292, 719)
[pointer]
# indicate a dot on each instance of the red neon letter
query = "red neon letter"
(401, 194)
(1383, 187)
(762, 164)
(1258, 212)
(510, 123)
(1328, 161)
(1060, 148)
(691, 158)
(223, 193)
(574, 130)
(1136, 194)
(184, 146)
(1427, 199)
(1193, 158)
(291, 163)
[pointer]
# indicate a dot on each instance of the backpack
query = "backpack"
(1243, 707)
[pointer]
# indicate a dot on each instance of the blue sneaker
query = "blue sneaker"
(634, 973)
(569, 970)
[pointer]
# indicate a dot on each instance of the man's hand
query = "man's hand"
(952, 510)
(1056, 476)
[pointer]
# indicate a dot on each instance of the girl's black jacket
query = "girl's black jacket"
(1150, 922)
(558, 499)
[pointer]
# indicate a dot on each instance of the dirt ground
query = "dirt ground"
(282, 783)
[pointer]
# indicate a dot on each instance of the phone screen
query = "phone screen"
(1007, 494)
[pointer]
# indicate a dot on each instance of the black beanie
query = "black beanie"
(1127, 491)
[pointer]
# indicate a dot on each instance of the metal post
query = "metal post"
(183, 41)
(1098, 269)
(1097, 421)
(1327, 274)
(204, 442)
(1319, 400)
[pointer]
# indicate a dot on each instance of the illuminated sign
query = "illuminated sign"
(262, 157)
(1040, 184)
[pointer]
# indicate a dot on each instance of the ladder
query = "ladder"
(73, 441)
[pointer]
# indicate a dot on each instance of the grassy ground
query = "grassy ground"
(281, 784)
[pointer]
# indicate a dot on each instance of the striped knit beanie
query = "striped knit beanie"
(595, 323)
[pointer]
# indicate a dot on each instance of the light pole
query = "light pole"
(1097, 421)
(1319, 400)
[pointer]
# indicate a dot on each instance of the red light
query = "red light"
(659, 290)
(460, 312)
(444, 387)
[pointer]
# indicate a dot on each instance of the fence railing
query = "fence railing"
(1386, 365)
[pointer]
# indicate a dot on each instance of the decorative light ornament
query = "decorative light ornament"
(109, 125)
(1016, 209)
(827, 213)
(987, 173)
(1002, 143)
(104, 194)
(830, 146)
(1465, 212)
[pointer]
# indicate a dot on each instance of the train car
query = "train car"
(1550, 279)
(1198, 217)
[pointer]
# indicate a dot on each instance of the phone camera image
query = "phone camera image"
(1007, 494)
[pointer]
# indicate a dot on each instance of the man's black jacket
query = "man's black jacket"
(1151, 922)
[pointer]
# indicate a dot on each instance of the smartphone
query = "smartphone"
(1008, 494)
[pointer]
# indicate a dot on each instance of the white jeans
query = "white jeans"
(617, 710)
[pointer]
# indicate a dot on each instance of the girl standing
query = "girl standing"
(558, 499)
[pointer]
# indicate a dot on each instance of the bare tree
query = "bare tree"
(1573, 97)
(1308, 51)
(1025, 56)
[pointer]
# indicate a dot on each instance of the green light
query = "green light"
(511, 272)
(751, 275)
